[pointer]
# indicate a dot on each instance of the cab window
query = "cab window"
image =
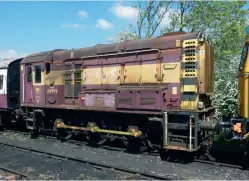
(243, 57)
(37, 73)
(29, 74)
(47, 68)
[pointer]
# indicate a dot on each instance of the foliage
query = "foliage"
(123, 35)
(226, 87)
(179, 18)
(222, 21)
(151, 14)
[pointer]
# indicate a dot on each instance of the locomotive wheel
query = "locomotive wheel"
(124, 141)
(137, 145)
(176, 156)
(64, 135)
(95, 139)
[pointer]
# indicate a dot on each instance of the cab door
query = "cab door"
(38, 85)
(28, 85)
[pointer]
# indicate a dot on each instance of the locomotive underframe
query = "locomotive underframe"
(173, 130)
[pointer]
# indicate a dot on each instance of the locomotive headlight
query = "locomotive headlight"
(82, 100)
(200, 105)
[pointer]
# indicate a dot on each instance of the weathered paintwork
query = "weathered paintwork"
(153, 74)
(39, 94)
(103, 99)
(54, 95)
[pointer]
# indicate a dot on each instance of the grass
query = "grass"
(16, 136)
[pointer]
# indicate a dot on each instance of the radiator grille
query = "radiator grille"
(189, 88)
(190, 73)
(127, 101)
(190, 43)
(147, 101)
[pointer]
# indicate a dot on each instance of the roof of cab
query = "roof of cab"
(39, 57)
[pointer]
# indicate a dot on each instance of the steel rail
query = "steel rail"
(16, 173)
(93, 163)
(219, 164)
(76, 142)
(81, 143)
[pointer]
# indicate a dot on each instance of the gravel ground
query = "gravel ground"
(145, 163)
(46, 168)
(4, 175)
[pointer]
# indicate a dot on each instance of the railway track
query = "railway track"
(219, 164)
(9, 174)
(72, 141)
(154, 153)
(102, 166)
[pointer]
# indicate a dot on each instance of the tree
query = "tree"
(179, 15)
(222, 21)
(226, 87)
(150, 16)
(123, 35)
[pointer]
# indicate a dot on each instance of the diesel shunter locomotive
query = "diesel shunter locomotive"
(153, 93)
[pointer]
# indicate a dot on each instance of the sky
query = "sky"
(31, 27)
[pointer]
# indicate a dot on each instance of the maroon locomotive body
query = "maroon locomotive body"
(155, 92)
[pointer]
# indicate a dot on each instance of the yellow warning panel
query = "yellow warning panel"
(189, 104)
(189, 88)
